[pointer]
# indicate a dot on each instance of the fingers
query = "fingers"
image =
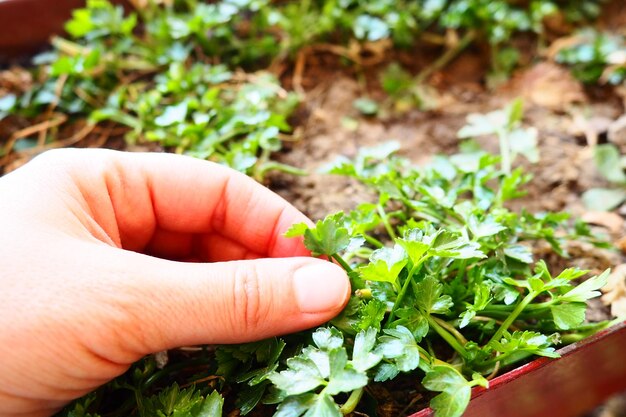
(227, 302)
(136, 196)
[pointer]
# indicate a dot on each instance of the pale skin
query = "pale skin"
(109, 256)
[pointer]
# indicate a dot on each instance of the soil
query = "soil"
(569, 117)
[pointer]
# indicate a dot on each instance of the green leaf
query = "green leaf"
(603, 199)
(324, 406)
(455, 391)
(414, 248)
(451, 405)
(399, 345)
(521, 253)
(296, 406)
(526, 341)
(366, 106)
(172, 115)
(608, 161)
(345, 380)
(567, 316)
(386, 372)
(7, 103)
(327, 338)
(370, 28)
(413, 320)
(297, 230)
(212, 406)
(302, 376)
(484, 228)
(524, 142)
(515, 112)
(480, 125)
(587, 290)
(429, 297)
(328, 237)
(385, 265)
(363, 358)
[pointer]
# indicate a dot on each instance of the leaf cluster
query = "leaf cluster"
(595, 56)
(440, 260)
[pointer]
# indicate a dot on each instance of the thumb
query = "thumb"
(182, 304)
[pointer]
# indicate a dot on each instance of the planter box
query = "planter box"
(27, 25)
(587, 374)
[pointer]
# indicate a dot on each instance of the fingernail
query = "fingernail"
(321, 287)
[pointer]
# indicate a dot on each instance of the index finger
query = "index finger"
(147, 192)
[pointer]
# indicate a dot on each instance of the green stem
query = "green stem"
(403, 290)
(273, 165)
(385, 220)
(535, 308)
(447, 336)
(373, 241)
(342, 262)
(505, 152)
(446, 58)
(353, 401)
(513, 316)
(451, 329)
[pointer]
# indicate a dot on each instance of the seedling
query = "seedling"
(506, 125)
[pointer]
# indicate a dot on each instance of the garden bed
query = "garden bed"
(345, 108)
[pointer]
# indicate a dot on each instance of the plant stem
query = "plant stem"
(450, 329)
(404, 289)
(513, 316)
(446, 58)
(505, 152)
(373, 241)
(447, 336)
(277, 166)
(385, 220)
(352, 402)
(342, 262)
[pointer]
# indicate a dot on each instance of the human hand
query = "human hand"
(93, 245)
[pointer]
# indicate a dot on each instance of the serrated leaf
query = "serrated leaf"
(296, 406)
(484, 228)
(303, 376)
(212, 406)
(413, 248)
(363, 358)
(324, 406)
(328, 237)
(386, 372)
(520, 252)
(451, 405)
(429, 297)
(297, 230)
(455, 391)
(399, 345)
(567, 316)
(588, 289)
(328, 338)
(385, 265)
(346, 380)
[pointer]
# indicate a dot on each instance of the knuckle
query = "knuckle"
(249, 311)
